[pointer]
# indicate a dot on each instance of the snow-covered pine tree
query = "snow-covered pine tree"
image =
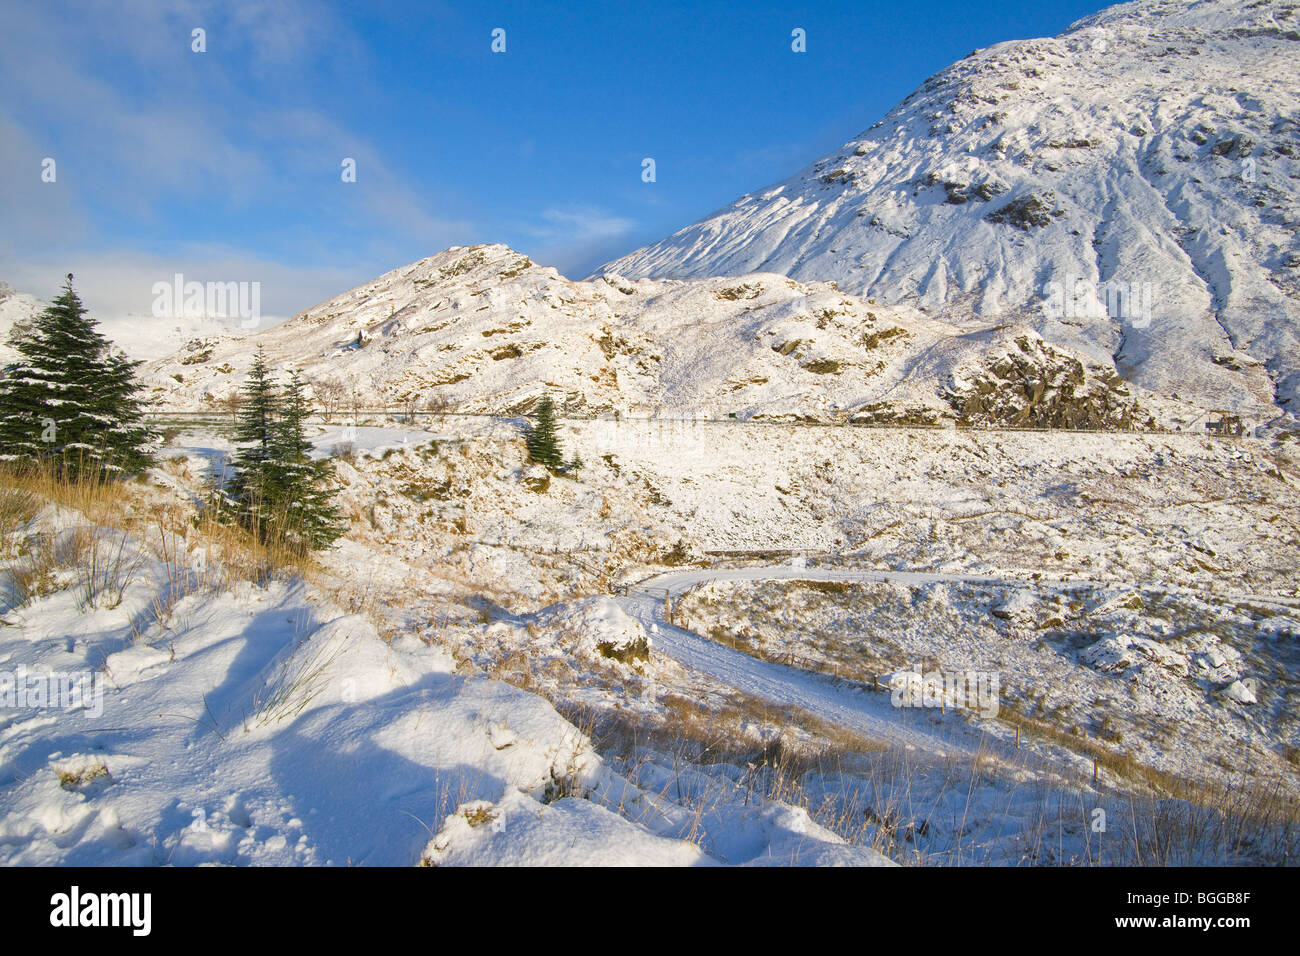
(278, 491)
(543, 438)
(300, 485)
(72, 399)
(248, 492)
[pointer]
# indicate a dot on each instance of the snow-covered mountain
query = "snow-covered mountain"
(16, 308)
(485, 329)
(148, 338)
(1129, 188)
(139, 336)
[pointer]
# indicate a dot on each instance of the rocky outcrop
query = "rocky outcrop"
(1036, 386)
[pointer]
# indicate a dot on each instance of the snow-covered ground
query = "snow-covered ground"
(1017, 553)
(482, 671)
(151, 716)
(1134, 668)
(16, 308)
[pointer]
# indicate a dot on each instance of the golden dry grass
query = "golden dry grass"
(110, 528)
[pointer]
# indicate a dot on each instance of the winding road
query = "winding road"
(841, 703)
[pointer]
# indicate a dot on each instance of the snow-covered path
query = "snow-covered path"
(840, 703)
(836, 702)
(676, 582)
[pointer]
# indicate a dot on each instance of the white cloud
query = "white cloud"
(119, 285)
(578, 224)
(574, 238)
(200, 136)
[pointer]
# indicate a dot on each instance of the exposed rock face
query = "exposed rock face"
(1035, 386)
(1239, 692)
(1028, 212)
(887, 413)
(1123, 652)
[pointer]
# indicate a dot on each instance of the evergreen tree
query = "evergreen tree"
(300, 485)
(543, 439)
(255, 422)
(72, 399)
(278, 490)
(255, 430)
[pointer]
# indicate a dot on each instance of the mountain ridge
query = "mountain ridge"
(1151, 147)
(484, 329)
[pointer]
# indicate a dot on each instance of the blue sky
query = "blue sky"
(225, 165)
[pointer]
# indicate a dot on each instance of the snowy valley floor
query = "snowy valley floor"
(484, 670)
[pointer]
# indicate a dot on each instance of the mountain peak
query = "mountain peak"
(1128, 188)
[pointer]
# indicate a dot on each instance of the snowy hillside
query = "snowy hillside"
(140, 337)
(1129, 188)
(159, 713)
(484, 329)
(150, 338)
(16, 308)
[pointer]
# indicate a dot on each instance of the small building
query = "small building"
(1227, 424)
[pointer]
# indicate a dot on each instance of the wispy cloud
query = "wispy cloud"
(579, 224)
(219, 148)
(574, 239)
(119, 284)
